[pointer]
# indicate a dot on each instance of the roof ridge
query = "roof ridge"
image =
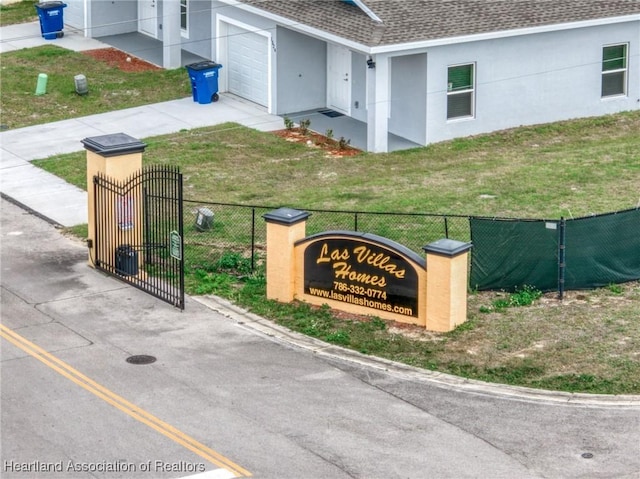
(370, 13)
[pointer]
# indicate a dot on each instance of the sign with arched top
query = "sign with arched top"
(363, 270)
(365, 274)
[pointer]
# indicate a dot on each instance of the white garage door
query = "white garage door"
(73, 14)
(248, 60)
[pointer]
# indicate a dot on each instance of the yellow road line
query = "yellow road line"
(120, 403)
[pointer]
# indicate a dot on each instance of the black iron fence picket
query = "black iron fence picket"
(138, 231)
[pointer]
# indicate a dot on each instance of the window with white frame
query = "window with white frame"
(184, 17)
(460, 91)
(614, 70)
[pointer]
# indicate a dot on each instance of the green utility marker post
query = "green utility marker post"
(41, 87)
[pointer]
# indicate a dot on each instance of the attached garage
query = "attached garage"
(74, 14)
(247, 64)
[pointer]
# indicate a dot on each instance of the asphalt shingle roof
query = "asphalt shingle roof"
(408, 21)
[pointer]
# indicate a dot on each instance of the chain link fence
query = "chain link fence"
(215, 230)
(550, 255)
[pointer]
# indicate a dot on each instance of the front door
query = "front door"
(148, 17)
(339, 78)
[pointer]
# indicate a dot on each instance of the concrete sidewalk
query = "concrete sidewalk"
(65, 204)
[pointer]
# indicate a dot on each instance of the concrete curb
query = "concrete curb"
(445, 381)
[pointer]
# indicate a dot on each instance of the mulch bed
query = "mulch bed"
(312, 139)
(121, 60)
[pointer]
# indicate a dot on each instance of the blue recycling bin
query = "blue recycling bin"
(51, 19)
(204, 81)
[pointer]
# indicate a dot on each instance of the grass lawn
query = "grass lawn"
(590, 342)
(567, 169)
(109, 88)
(19, 12)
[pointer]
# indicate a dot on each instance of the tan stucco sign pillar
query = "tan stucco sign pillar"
(285, 226)
(447, 280)
(118, 157)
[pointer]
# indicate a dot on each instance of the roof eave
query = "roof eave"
(421, 45)
(315, 32)
(501, 34)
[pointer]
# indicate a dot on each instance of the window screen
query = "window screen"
(614, 70)
(460, 91)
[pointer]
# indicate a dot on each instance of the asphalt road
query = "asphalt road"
(232, 395)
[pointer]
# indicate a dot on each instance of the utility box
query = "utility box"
(51, 19)
(204, 81)
(80, 82)
(204, 219)
(126, 260)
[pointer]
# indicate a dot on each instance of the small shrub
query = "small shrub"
(343, 143)
(329, 134)
(288, 123)
(304, 126)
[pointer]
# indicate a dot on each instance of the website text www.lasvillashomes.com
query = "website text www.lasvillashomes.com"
(354, 295)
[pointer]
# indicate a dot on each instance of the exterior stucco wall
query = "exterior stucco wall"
(301, 72)
(409, 97)
(531, 79)
(199, 23)
(109, 18)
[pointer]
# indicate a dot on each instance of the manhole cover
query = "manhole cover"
(141, 359)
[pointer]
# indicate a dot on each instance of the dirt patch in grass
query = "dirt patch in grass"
(121, 60)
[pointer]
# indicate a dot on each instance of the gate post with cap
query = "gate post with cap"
(447, 280)
(285, 226)
(118, 157)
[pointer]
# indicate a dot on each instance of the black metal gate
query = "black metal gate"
(139, 231)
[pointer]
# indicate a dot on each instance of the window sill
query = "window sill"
(621, 96)
(459, 119)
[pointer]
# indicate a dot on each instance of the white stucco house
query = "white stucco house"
(424, 70)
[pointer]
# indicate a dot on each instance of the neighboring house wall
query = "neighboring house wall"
(409, 97)
(531, 79)
(200, 34)
(110, 18)
(301, 71)
(74, 14)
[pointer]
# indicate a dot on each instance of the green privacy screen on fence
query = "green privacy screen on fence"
(509, 254)
(598, 250)
(601, 250)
